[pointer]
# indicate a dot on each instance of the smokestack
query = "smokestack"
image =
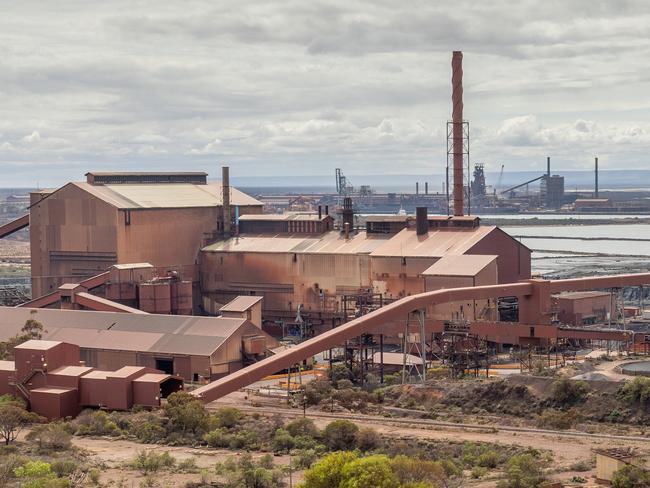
(548, 166)
(320, 212)
(457, 119)
(347, 216)
(421, 221)
(426, 187)
(596, 179)
(225, 188)
(327, 209)
(417, 187)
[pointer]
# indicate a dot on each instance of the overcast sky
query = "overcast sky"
(282, 88)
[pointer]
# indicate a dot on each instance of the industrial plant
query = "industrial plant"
(148, 281)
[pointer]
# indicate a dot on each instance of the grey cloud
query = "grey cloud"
(285, 87)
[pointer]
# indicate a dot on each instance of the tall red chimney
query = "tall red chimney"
(457, 120)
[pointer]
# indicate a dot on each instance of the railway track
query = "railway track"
(414, 423)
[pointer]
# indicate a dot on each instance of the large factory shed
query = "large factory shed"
(317, 271)
(194, 348)
(159, 218)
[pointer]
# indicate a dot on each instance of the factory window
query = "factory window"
(127, 217)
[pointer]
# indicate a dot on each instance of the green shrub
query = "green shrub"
(186, 413)
(218, 438)
(410, 471)
(328, 472)
(98, 422)
(226, 417)
(340, 435)
(64, 467)
(148, 462)
(149, 432)
(368, 472)
(304, 458)
(316, 391)
(523, 471)
(478, 472)
(488, 459)
(565, 392)
(340, 372)
(631, 477)
(636, 391)
(283, 441)
(302, 427)
(368, 439)
(49, 437)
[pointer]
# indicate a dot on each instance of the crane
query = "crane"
(498, 185)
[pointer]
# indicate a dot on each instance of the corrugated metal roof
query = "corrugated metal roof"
(165, 195)
(96, 375)
(38, 344)
(465, 265)
(51, 390)
(240, 304)
(125, 371)
(71, 370)
(125, 332)
(328, 243)
(152, 378)
(133, 266)
(283, 217)
(436, 243)
(579, 295)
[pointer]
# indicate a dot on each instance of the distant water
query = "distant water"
(600, 239)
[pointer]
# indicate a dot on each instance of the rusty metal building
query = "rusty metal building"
(159, 218)
(583, 308)
(193, 348)
(53, 380)
(316, 271)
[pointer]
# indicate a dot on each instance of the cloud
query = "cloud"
(302, 87)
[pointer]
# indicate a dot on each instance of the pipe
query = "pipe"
(533, 295)
(457, 119)
(225, 188)
(596, 179)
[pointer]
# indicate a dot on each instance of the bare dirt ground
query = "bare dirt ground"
(115, 455)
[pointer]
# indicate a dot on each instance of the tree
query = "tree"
(13, 418)
(369, 472)
(32, 329)
(186, 412)
(328, 472)
(340, 435)
(631, 477)
(302, 427)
